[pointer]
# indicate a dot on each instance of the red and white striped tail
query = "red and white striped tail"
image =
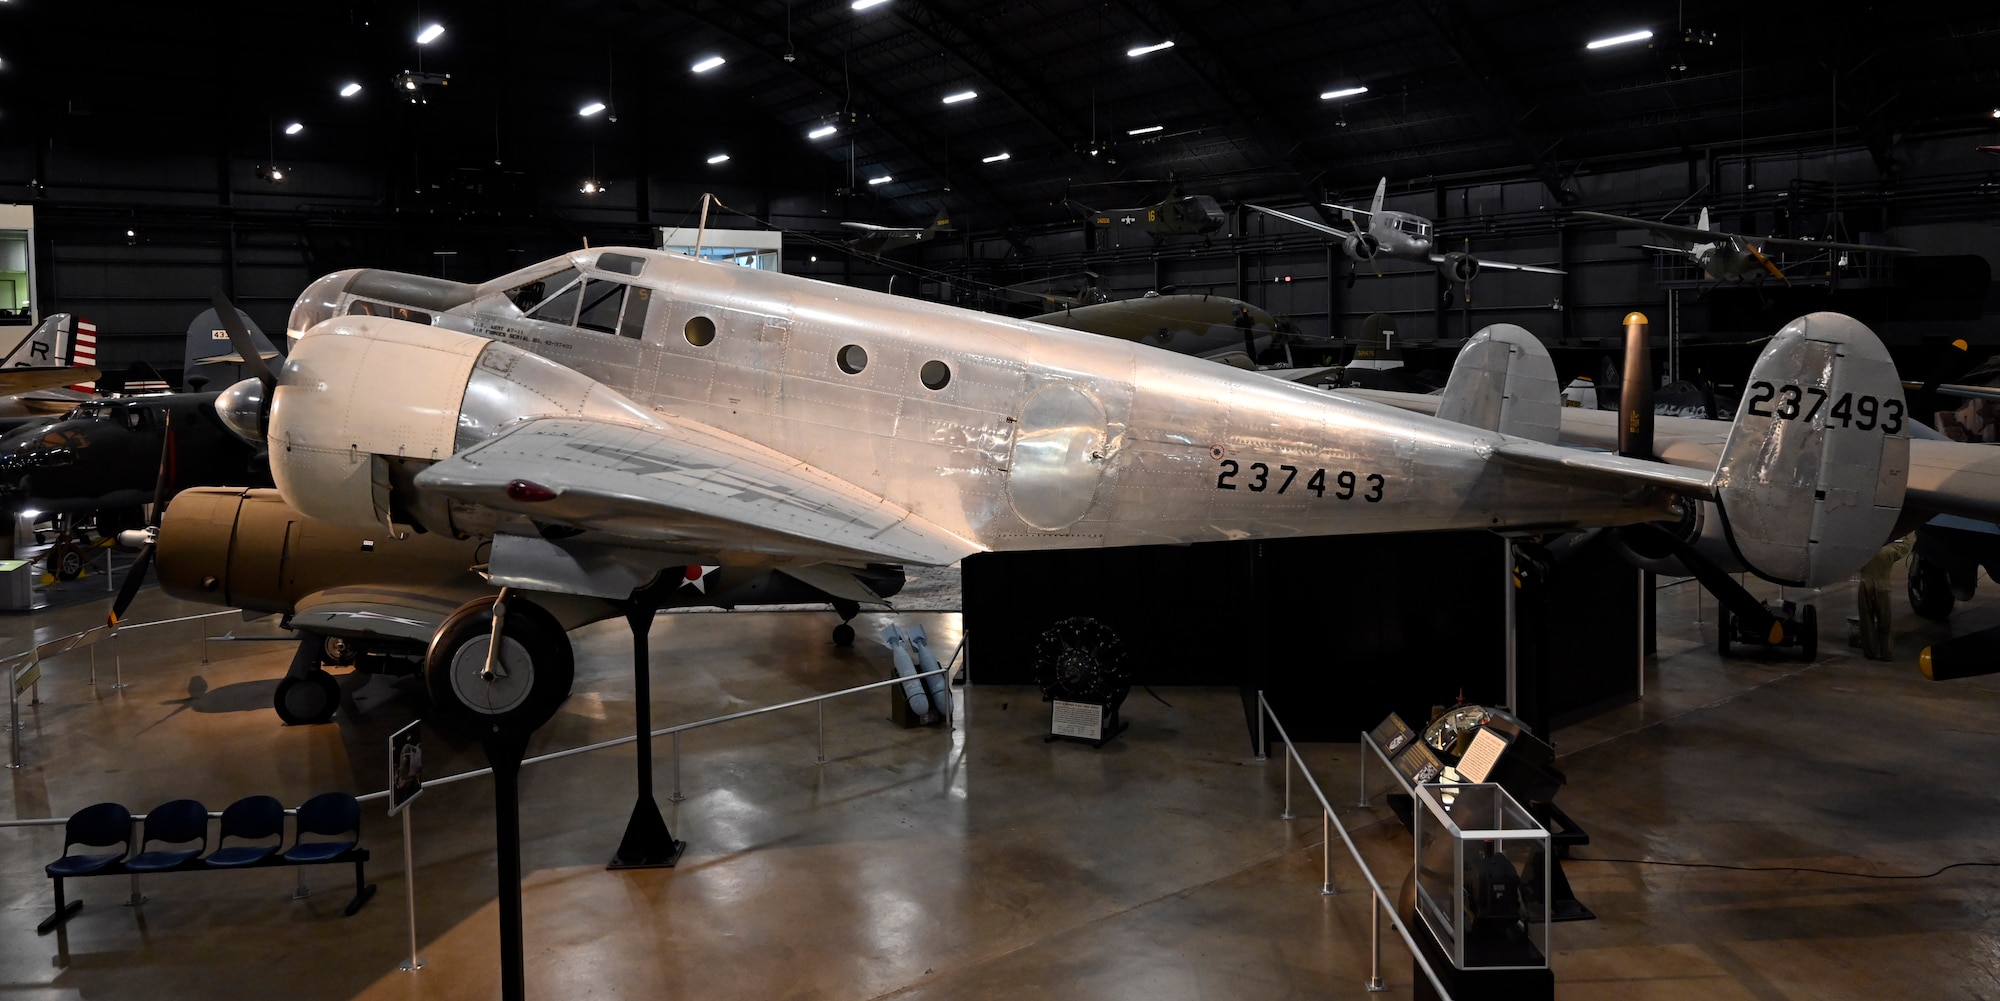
(85, 352)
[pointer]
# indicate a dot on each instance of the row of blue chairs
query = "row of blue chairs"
(332, 820)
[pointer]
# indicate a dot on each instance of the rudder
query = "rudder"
(1503, 380)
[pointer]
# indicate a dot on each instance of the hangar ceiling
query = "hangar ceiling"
(1455, 89)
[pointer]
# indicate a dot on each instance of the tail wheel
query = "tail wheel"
(1809, 634)
(302, 701)
(528, 681)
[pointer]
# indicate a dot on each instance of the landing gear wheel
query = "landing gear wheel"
(66, 560)
(1809, 634)
(306, 700)
(336, 650)
(843, 635)
(1724, 624)
(1930, 589)
(531, 676)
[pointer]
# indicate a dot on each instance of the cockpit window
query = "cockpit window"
(601, 302)
(560, 306)
(362, 307)
(527, 297)
(621, 264)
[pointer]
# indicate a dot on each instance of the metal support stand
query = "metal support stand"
(1263, 754)
(1326, 887)
(415, 962)
(13, 728)
(204, 641)
(821, 705)
(1361, 798)
(647, 844)
(301, 891)
(504, 754)
(1288, 814)
(137, 898)
(117, 662)
(677, 797)
(1375, 983)
(110, 585)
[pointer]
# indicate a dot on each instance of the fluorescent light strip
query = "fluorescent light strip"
(1630, 36)
(590, 109)
(865, 4)
(884, 179)
(350, 90)
(295, 128)
(1144, 131)
(963, 95)
(1143, 49)
(719, 158)
(996, 158)
(707, 64)
(822, 132)
(1332, 95)
(430, 34)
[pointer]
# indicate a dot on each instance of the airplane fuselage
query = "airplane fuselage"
(1007, 434)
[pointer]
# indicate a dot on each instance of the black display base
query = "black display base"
(1113, 726)
(1473, 985)
(647, 844)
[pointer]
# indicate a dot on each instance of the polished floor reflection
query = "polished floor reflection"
(982, 862)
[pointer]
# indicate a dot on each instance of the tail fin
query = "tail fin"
(210, 358)
(1504, 381)
(1812, 478)
(1702, 224)
(45, 346)
(83, 352)
(1375, 207)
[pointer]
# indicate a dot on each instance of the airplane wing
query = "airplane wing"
(1487, 263)
(27, 380)
(233, 357)
(1312, 224)
(884, 230)
(687, 488)
(1667, 229)
(1781, 241)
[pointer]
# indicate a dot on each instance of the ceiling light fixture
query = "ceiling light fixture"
(884, 179)
(996, 158)
(1144, 49)
(1996, 112)
(590, 109)
(1335, 95)
(1142, 131)
(719, 158)
(1631, 36)
(963, 95)
(430, 34)
(865, 4)
(591, 188)
(350, 90)
(295, 128)
(707, 64)
(822, 132)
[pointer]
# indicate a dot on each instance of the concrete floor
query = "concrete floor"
(981, 862)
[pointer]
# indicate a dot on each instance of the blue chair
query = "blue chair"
(252, 818)
(332, 814)
(100, 825)
(173, 823)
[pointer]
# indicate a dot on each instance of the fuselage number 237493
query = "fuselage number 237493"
(1790, 403)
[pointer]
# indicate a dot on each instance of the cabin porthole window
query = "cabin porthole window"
(700, 331)
(935, 374)
(852, 359)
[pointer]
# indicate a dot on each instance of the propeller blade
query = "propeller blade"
(240, 339)
(135, 578)
(163, 482)
(1635, 397)
(1766, 262)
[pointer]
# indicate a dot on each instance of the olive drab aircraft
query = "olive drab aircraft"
(1213, 327)
(595, 424)
(878, 239)
(1734, 257)
(1178, 214)
(1397, 235)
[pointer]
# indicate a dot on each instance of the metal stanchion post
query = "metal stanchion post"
(117, 660)
(1288, 814)
(1262, 755)
(13, 726)
(204, 639)
(677, 797)
(93, 665)
(415, 962)
(822, 731)
(108, 583)
(1362, 802)
(303, 890)
(1326, 854)
(1375, 984)
(137, 898)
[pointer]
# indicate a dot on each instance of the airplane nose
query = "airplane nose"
(242, 409)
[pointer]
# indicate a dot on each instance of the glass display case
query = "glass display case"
(1482, 876)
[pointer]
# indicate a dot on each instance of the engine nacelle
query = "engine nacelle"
(1460, 267)
(1360, 247)
(249, 549)
(366, 402)
(1700, 529)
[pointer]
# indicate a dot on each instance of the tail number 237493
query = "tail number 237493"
(1791, 403)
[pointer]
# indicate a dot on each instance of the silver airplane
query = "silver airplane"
(1733, 257)
(1403, 236)
(610, 417)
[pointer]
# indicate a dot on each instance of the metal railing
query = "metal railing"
(1329, 822)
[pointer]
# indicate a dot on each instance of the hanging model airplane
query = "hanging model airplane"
(699, 414)
(1178, 214)
(1733, 257)
(876, 239)
(1402, 236)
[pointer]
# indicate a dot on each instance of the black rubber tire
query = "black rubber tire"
(337, 650)
(843, 635)
(1930, 590)
(535, 650)
(307, 700)
(66, 561)
(1724, 623)
(1809, 634)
